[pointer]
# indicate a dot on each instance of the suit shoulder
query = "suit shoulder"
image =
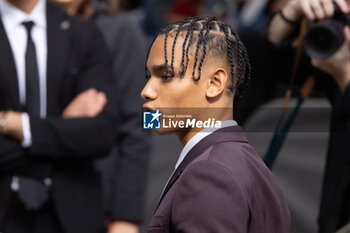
(236, 156)
(234, 170)
(123, 21)
(122, 30)
(241, 162)
(212, 173)
(80, 27)
(84, 28)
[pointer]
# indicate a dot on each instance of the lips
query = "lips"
(147, 108)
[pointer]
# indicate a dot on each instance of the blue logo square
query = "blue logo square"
(151, 120)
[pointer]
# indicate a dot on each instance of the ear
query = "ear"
(217, 83)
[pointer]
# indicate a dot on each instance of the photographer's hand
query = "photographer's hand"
(283, 24)
(321, 9)
(338, 65)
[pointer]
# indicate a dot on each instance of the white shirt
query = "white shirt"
(12, 19)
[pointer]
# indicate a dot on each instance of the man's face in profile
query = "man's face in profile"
(198, 96)
(172, 94)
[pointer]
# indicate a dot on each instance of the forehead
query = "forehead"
(157, 52)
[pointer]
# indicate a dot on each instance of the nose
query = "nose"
(148, 92)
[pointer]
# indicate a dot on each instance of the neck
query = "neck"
(184, 137)
(24, 5)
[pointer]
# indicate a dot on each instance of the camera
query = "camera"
(324, 37)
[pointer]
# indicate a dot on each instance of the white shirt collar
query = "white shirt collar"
(13, 17)
(198, 137)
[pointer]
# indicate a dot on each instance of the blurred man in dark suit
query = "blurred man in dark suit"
(125, 170)
(54, 119)
(220, 184)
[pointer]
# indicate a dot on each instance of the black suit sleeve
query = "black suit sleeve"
(11, 153)
(76, 138)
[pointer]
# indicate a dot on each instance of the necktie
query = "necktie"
(32, 75)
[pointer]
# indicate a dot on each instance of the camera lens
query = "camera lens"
(324, 38)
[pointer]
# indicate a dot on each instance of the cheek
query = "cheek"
(180, 93)
(189, 95)
(175, 95)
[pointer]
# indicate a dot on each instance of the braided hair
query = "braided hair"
(208, 35)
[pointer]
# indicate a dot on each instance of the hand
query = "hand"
(122, 227)
(338, 65)
(90, 103)
(314, 9)
(13, 125)
(321, 9)
(295, 10)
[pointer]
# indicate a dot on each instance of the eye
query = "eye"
(147, 75)
(166, 76)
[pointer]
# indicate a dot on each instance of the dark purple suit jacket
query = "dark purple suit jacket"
(222, 186)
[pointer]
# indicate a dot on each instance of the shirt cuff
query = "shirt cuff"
(27, 134)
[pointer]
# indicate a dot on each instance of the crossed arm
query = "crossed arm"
(87, 104)
(84, 130)
(72, 134)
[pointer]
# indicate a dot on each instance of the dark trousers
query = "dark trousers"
(21, 220)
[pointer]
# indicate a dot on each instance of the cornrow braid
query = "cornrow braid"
(199, 43)
(229, 55)
(240, 63)
(174, 43)
(207, 35)
(207, 26)
(165, 47)
(244, 77)
(191, 28)
(183, 70)
(247, 78)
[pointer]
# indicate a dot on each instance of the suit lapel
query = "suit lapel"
(227, 134)
(58, 38)
(8, 70)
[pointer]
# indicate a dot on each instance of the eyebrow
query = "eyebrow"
(161, 67)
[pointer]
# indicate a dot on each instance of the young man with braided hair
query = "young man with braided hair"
(220, 184)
